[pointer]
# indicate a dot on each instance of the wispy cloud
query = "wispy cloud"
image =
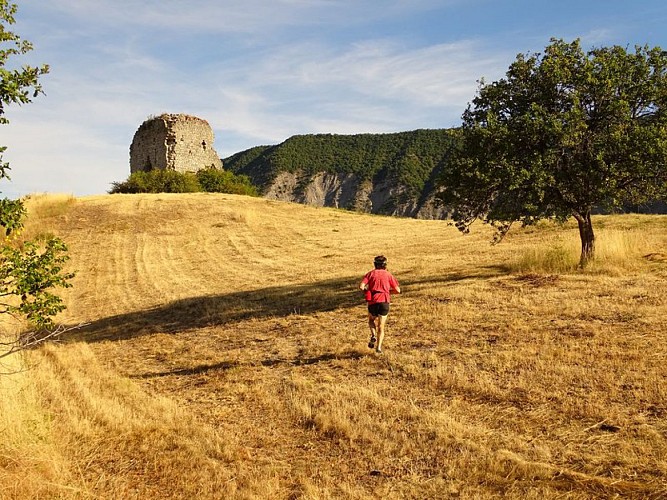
(259, 71)
(315, 87)
(233, 16)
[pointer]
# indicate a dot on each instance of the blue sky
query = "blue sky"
(261, 71)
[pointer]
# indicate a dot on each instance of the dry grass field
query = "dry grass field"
(224, 356)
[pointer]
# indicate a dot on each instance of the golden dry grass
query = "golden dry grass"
(225, 357)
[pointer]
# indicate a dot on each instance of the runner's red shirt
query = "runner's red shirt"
(380, 283)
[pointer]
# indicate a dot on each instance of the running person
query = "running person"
(378, 285)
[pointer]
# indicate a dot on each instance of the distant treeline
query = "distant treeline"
(408, 161)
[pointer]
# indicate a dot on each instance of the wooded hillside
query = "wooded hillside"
(407, 161)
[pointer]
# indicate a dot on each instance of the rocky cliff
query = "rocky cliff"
(390, 174)
(348, 191)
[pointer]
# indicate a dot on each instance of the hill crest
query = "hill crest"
(389, 174)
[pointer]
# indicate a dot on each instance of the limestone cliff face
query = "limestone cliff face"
(344, 190)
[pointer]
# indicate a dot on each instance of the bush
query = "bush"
(211, 180)
(157, 181)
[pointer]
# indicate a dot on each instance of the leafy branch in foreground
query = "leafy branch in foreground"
(17, 86)
(28, 272)
(28, 275)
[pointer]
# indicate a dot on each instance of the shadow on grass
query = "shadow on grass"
(228, 365)
(480, 273)
(216, 310)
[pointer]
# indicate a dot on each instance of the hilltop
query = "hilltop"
(224, 356)
(390, 174)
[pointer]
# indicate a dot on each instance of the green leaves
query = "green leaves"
(18, 85)
(563, 132)
(211, 180)
(28, 274)
(11, 215)
(157, 181)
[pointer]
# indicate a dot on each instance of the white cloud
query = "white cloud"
(249, 16)
(86, 122)
(60, 156)
(259, 71)
(375, 84)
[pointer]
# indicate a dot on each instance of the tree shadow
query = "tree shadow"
(276, 301)
(216, 310)
(228, 365)
(481, 273)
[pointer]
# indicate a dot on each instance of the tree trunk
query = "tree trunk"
(587, 237)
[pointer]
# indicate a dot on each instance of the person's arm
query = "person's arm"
(394, 286)
(363, 286)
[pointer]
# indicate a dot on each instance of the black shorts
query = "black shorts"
(379, 309)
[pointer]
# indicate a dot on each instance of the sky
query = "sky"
(261, 71)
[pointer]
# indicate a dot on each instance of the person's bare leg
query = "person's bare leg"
(382, 323)
(372, 327)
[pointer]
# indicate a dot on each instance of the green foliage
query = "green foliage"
(157, 181)
(17, 85)
(404, 159)
(29, 273)
(211, 180)
(564, 132)
(11, 214)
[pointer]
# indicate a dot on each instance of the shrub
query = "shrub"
(213, 180)
(157, 181)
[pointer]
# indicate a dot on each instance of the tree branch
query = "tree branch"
(31, 339)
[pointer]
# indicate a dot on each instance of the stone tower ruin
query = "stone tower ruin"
(173, 142)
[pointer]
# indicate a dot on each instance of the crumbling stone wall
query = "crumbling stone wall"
(173, 142)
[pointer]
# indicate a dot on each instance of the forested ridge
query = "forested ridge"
(408, 160)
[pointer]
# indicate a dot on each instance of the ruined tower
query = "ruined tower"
(173, 142)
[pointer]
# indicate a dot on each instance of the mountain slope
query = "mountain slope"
(389, 174)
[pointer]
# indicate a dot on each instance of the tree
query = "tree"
(28, 270)
(16, 85)
(564, 132)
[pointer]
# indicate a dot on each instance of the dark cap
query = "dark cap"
(380, 262)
